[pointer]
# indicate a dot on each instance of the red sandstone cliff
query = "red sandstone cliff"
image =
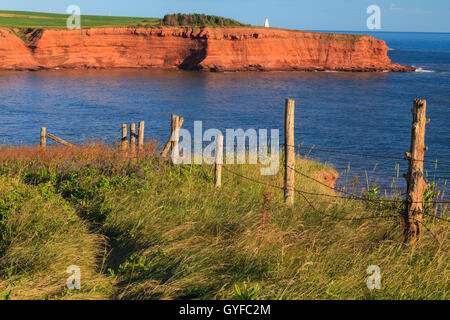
(228, 49)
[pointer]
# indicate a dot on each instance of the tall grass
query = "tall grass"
(170, 234)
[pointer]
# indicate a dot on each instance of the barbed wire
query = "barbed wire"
(253, 180)
(436, 217)
(431, 232)
(354, 195)
(339, 218)
(309, 203)
(314, 149)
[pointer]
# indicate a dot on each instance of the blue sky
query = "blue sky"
(396, 15)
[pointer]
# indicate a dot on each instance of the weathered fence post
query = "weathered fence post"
(59, 140)
(141, 135)
(169, 145)
(174, 140)
(415, 183)
(124, 140)
(175, 136)
(43, 137)
(219, 160)
(289, 145)
(133, 138)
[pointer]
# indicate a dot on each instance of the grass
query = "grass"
(141, 228)
(53, 20)
(28, 19)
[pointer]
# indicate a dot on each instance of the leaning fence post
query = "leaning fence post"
(141, 135)
(173, 127)
(219, 160)
(124, 140)
(133, 137)
(169, 143)
(175, 136)
(289, 145)
(415, 183)
(43, 137)
(59, 140)
(174, 140)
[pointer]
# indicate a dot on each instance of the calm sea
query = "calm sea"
(366, 113)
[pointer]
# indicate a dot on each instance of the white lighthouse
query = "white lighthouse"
(266, 24)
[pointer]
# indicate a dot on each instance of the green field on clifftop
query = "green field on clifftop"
(53, 20)
(28, 19)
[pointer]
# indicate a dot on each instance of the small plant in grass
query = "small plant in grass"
(429, 195)
(373, 193)
(134, 263)
(246, 293)
(6, 294)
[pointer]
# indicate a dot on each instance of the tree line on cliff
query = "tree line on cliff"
(200, 20)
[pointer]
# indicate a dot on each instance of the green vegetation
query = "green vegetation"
(199, 20)
(145, 229)
(53, 20)
(28, 19)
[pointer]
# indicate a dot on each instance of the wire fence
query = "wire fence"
(435, 175)
(365, 155)
(341, 194)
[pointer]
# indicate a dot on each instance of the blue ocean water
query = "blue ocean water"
(350, 112)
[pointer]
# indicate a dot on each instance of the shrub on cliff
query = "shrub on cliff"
(200, 20)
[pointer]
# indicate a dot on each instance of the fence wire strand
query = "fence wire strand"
(365, 155)
(355, 197)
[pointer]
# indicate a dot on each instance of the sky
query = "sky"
(339, 15)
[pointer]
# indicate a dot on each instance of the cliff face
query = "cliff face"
(14, 53)
(227, 49)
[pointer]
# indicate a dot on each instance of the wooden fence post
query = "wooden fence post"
(124, 141)
(133, 138)
(170, 143)
(289, 145)
(141, 136)
(415, 184)
(219, 160)
(43, 137)
(59, 140)
(174, 139)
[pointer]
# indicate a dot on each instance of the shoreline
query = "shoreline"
(306, 70)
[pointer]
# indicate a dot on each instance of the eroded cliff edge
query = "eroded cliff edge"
(208, 49)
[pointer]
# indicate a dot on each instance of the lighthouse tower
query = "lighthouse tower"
(266, 24)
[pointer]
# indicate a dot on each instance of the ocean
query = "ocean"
(353, 113)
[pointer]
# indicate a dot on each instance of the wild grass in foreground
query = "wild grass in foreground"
(141, 228)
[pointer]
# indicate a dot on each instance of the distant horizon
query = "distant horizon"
(352, 15)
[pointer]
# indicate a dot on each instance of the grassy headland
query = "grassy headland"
(54, 20)
(141, 228)
(28, 19)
